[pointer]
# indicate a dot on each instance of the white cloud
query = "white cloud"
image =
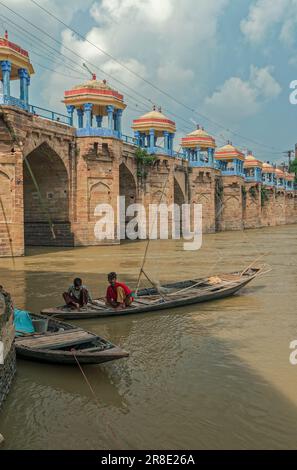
(115, 10)
(266, 15)
(237, 99)
(165, 42)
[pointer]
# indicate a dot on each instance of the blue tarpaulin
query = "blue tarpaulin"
(22, 322)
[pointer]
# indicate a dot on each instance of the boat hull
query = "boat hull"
(63, 343)
(154, 307)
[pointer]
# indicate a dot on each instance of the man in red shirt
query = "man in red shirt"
(118, 295)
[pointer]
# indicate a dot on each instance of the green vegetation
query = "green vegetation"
(144, 160)
(264, 196)
(293, 168)
(253, 192)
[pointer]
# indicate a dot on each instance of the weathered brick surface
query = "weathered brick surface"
(75, 175)
(252, 205)
(7, 370)
(232, 208)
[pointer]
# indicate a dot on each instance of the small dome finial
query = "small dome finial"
(6, 34)
(94, 76)
(160, 109)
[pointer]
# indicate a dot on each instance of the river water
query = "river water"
(214, 375)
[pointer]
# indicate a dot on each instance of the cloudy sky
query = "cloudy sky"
(225, 64)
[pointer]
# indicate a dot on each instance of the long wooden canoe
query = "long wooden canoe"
(169, 296)
(62, 343)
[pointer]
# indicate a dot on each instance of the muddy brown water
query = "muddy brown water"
(215, 375)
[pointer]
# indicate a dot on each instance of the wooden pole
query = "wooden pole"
(149, 239)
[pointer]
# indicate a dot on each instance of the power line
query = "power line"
(93, 65)
(75, 63)
(144, 79)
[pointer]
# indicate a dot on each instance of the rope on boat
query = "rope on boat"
(93, 392)
(141, 271)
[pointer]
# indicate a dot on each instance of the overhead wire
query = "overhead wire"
(136, 74)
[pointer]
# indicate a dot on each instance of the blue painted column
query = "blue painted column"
(6, 69)
(70, 111)
(23, 74)
(119, 121)
(166, 141)
(210, 156)
(80, 117)
(137, 137)
(27, 90)
(152, 140)
(198, 154)
(110, 110)
(170, 142)
(99, 120)
(88, 112)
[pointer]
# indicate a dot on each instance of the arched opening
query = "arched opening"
(127, 188)
(179, 197)
(48, 202)
(99, 193)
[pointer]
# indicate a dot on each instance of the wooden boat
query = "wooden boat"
(167, 296)
(61, 343)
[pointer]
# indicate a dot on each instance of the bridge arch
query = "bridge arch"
(179, 196)
(127, 187)
(46, 198)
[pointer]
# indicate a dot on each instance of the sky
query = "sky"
(226, 65)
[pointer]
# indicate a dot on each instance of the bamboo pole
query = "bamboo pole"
(149, 239)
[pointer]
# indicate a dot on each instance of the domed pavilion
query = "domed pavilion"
(289, 181)
(268, 174)
(230, 160)
(150, 128)
(199, 148)
(280, 178)
(95, 99)
(253, 169)
(14, 65)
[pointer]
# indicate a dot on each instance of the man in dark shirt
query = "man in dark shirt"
(78, 295)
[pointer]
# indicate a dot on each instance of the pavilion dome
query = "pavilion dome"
(279, 173)
(268, 168)
(229, 152)
(18, 57)
(156, 120)
(251, 162)
(96, 92)
(198, 138)
(289, 176)
(94, 83)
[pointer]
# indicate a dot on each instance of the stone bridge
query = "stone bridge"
(51, 181)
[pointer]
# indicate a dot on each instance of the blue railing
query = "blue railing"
(12, 101)
(128, 139)
(48, 114)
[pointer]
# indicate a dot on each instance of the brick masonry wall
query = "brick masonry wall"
(8, 369)
(232, 209)
(252, 205)
(74, 175)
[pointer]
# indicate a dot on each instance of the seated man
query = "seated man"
(118, 295)
(77, 295)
